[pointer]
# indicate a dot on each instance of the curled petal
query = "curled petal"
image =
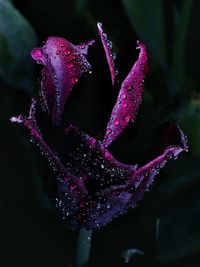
(129, 98)
(107, 48)
(87, 158)
(143, 177)
(65, 180)
(63, 65)
(115, 200)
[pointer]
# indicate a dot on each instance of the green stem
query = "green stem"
(83, 248)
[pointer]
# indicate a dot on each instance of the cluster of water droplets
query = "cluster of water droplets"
(107, 44)
(63, 65)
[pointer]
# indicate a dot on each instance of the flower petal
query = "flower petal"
(87, 158)
(143, 177)
(129, 98)
(63, 65)
(73, 188)
(83, 47)
(116, 200)
(107, 48)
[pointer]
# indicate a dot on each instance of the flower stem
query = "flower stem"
(83, 248)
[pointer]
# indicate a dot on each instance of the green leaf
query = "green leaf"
(147, 19)
(172, 211)
(178, 233)
(17, 38)
(182, 23)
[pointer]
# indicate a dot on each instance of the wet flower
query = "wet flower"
(92, 186)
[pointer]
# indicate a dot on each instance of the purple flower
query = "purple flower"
(92, 186)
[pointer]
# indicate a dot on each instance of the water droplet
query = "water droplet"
(91, 142)
(39, 61)
(108, 131)
(72, 186)
(70, 66)
(116, 122)
(123, 96)
(37, 53)
(169, 155)
(127, 118)
(74, 80)
(107, 154)
(58, 52)
(125, 105)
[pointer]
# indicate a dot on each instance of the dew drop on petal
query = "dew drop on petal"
(39, 61)
(125, 105)
(123, 96)
(74, 80)
(107, 154)
(37, 53)
(72, 186)
(116, 122)
(127, 118)
(108, 131)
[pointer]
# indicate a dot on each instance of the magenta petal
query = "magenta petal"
(143, 177)
(129, 98)
(107, 47)
(83, 47)
(66, 179)
(63, 65)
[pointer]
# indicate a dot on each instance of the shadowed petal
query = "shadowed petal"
(115, 199)
(107, 47)
(129, 98)
(63, 65)
(73, 188)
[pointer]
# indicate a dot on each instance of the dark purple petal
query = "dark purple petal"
(129, 98)
(63, 65)
(107, 48)
(92, 186)
(143, 177)
(73, 188)
(114, 200)
(87, 158)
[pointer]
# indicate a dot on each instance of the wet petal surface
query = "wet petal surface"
(63, 65)
(129, 98)
(107, 45)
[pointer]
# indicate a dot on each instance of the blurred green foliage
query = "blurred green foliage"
(17, 38)
(165, 226)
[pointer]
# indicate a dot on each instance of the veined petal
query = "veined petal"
(63, 65)
(107, 48)
(129, 98)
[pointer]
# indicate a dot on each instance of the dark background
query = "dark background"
(31, 233)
